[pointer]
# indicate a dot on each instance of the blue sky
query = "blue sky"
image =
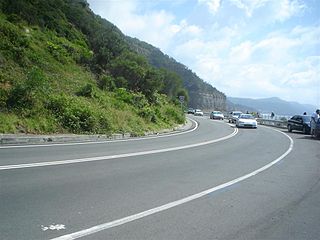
(244, 48)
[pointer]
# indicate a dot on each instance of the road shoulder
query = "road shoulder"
(17, 139)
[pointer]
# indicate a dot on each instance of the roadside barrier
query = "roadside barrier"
(273, 123)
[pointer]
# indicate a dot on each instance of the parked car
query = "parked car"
(246, 120)
(216, 115)
(198, 112)
(317, 130)
(234, 116)
(190, 111)
(299, 123)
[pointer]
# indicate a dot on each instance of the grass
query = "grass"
(44, 89)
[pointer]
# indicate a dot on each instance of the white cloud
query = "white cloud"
(241, 53)
(249, 6)
(279, 10)
(213, 5)
(309, 36)
(285, 9)
(184, 28)
(194, 51)
(193, 30)
(278, 47)
(155, 27)
(245, 56)
(303, 73)
(273, 66)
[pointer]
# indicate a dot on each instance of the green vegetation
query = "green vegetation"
(65, 70)
(193, 84)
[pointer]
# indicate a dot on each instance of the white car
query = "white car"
(246, 120)
(233, 116)
(198, 112)
(216, 115)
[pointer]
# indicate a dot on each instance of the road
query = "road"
(212, 182)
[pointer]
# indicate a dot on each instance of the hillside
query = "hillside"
(231, 106)
(65, 69)
(201, 94)
(276, 105)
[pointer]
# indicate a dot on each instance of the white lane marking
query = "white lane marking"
(124, 155)
(53, 227)
(167, 206)
(102, 142)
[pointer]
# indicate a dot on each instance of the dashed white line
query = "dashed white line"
(167, 206)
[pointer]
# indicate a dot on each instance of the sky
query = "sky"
(244, 48)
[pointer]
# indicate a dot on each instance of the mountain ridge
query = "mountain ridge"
(201, 93)
(273, 104)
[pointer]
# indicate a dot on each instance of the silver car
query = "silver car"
(216, 115)
(198, 112)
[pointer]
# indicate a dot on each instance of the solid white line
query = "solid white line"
(102, 142)
(167, 206)
(101, 158)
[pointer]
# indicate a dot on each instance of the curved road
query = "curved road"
(213, 182)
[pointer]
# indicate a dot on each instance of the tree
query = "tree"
(172, 83)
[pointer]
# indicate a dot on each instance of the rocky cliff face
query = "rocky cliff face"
(208, 101)
(201, 94)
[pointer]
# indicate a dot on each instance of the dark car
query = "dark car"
(317, 130)
(299, 123)
(190, 111)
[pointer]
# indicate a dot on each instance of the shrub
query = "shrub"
(174, 114)
(25, 94)
(77, 115)
(8, 123)
(123, 95)
(149, 114)
(37, 80)
(106, 82)
(13, 42)
(3, 98)
(87, 91)
(58, 52)
(20, 97)
(139, 100)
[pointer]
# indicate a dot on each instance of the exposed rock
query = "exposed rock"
(209, 101)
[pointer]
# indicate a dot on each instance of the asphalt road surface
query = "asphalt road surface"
(212, 182)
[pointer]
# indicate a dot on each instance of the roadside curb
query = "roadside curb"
(16, 139)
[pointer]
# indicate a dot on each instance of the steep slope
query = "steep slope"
(201, 94)
(64, 69)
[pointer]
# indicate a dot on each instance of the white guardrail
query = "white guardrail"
(273, 123)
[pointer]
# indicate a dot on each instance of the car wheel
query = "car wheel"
(289, 128)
